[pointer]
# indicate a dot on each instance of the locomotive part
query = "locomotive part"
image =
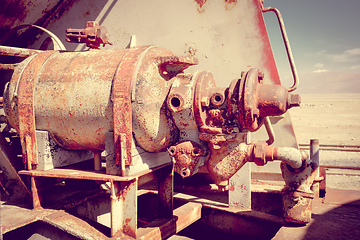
(143, 95)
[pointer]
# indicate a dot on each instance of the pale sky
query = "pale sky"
(324, 37)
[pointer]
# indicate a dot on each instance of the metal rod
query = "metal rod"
(340, 167)
(18, 52)
(270, 131)
(314, 156)
(332, 145)
(334, 149)
(7, 66)
(287, 46)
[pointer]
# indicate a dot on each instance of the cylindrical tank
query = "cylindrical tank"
(73, 97)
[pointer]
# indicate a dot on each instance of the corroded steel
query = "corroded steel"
(121, 97)
(93, 35)
(186, 156)
(143, 96)
(7, 66)
(166, 192)
(262, 100)
(153, 127)
(297, 194)
(26, 108)
(35, 194)
(17, 52)
(75, 96)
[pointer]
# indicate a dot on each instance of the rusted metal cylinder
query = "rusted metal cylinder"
(73, 96)
(226, 160)
(297, 196)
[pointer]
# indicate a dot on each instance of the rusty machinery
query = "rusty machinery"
(142, 98)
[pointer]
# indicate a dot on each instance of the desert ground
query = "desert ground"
(333, 119)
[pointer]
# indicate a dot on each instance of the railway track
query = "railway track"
(333, 147)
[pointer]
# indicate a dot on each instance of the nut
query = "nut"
(260, 153)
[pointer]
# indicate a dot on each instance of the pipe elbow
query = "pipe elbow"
(291, 156)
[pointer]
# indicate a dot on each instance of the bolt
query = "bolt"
(259, 153)
(172, 150)
(90, 24)
(294, 100)
(102, 35)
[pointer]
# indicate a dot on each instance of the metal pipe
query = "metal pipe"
(7, 66)
(314, 156)
(17, 52)
(291, 156)
(270, 131)
(287, 46)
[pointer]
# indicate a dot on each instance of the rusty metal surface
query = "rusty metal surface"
(7, 66)
(26, 108)
(13, 218)
(165, 192)
(186, 156)
(153, 127)
(235, 220)
(124, 208)
(161, 229)
(73, 225)
(143, 91)
(227, 160)
(75, 174)
(122, 113)
(297, 195)
(17, 52)
(93, 35)
(262, 100)
(36, 204)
